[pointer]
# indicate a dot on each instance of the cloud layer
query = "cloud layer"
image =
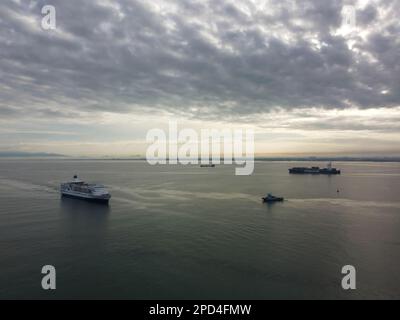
(200, 59)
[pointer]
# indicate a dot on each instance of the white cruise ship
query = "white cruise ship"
(85, 191)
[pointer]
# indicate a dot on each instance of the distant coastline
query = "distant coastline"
(337, 159)
(21, 154)
(56, 156)
(347, 159)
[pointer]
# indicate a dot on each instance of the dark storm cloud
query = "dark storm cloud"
(201, 59)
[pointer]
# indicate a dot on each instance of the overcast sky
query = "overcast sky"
(113, 69)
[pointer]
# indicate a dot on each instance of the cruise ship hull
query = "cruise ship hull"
(86, 198)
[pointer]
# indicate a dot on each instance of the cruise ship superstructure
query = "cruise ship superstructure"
(85, 191)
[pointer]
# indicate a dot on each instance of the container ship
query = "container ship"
(207, 165)
(81, 190)
(314, 170)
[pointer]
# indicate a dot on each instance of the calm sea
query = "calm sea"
(184, 232)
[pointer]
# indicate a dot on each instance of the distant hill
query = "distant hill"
(21, 154)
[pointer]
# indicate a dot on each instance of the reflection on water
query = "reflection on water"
(86, 222)
(86, 210)
(79, 213)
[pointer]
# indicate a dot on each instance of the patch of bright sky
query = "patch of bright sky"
(125, 135)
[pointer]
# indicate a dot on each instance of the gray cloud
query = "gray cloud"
(201, 59)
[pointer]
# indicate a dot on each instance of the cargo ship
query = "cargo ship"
(81, 190)
(314, 170)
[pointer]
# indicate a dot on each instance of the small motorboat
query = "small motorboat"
(271, 198)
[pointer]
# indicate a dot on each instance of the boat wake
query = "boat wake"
(179, 195)
(345, 202)
(27, 187)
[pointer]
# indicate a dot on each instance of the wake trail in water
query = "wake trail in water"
(345, 202)
(179, 195)
(28, 187)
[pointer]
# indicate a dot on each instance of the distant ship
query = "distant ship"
(82, 190)
(270, 198)
(314, 170)
(207, 165)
